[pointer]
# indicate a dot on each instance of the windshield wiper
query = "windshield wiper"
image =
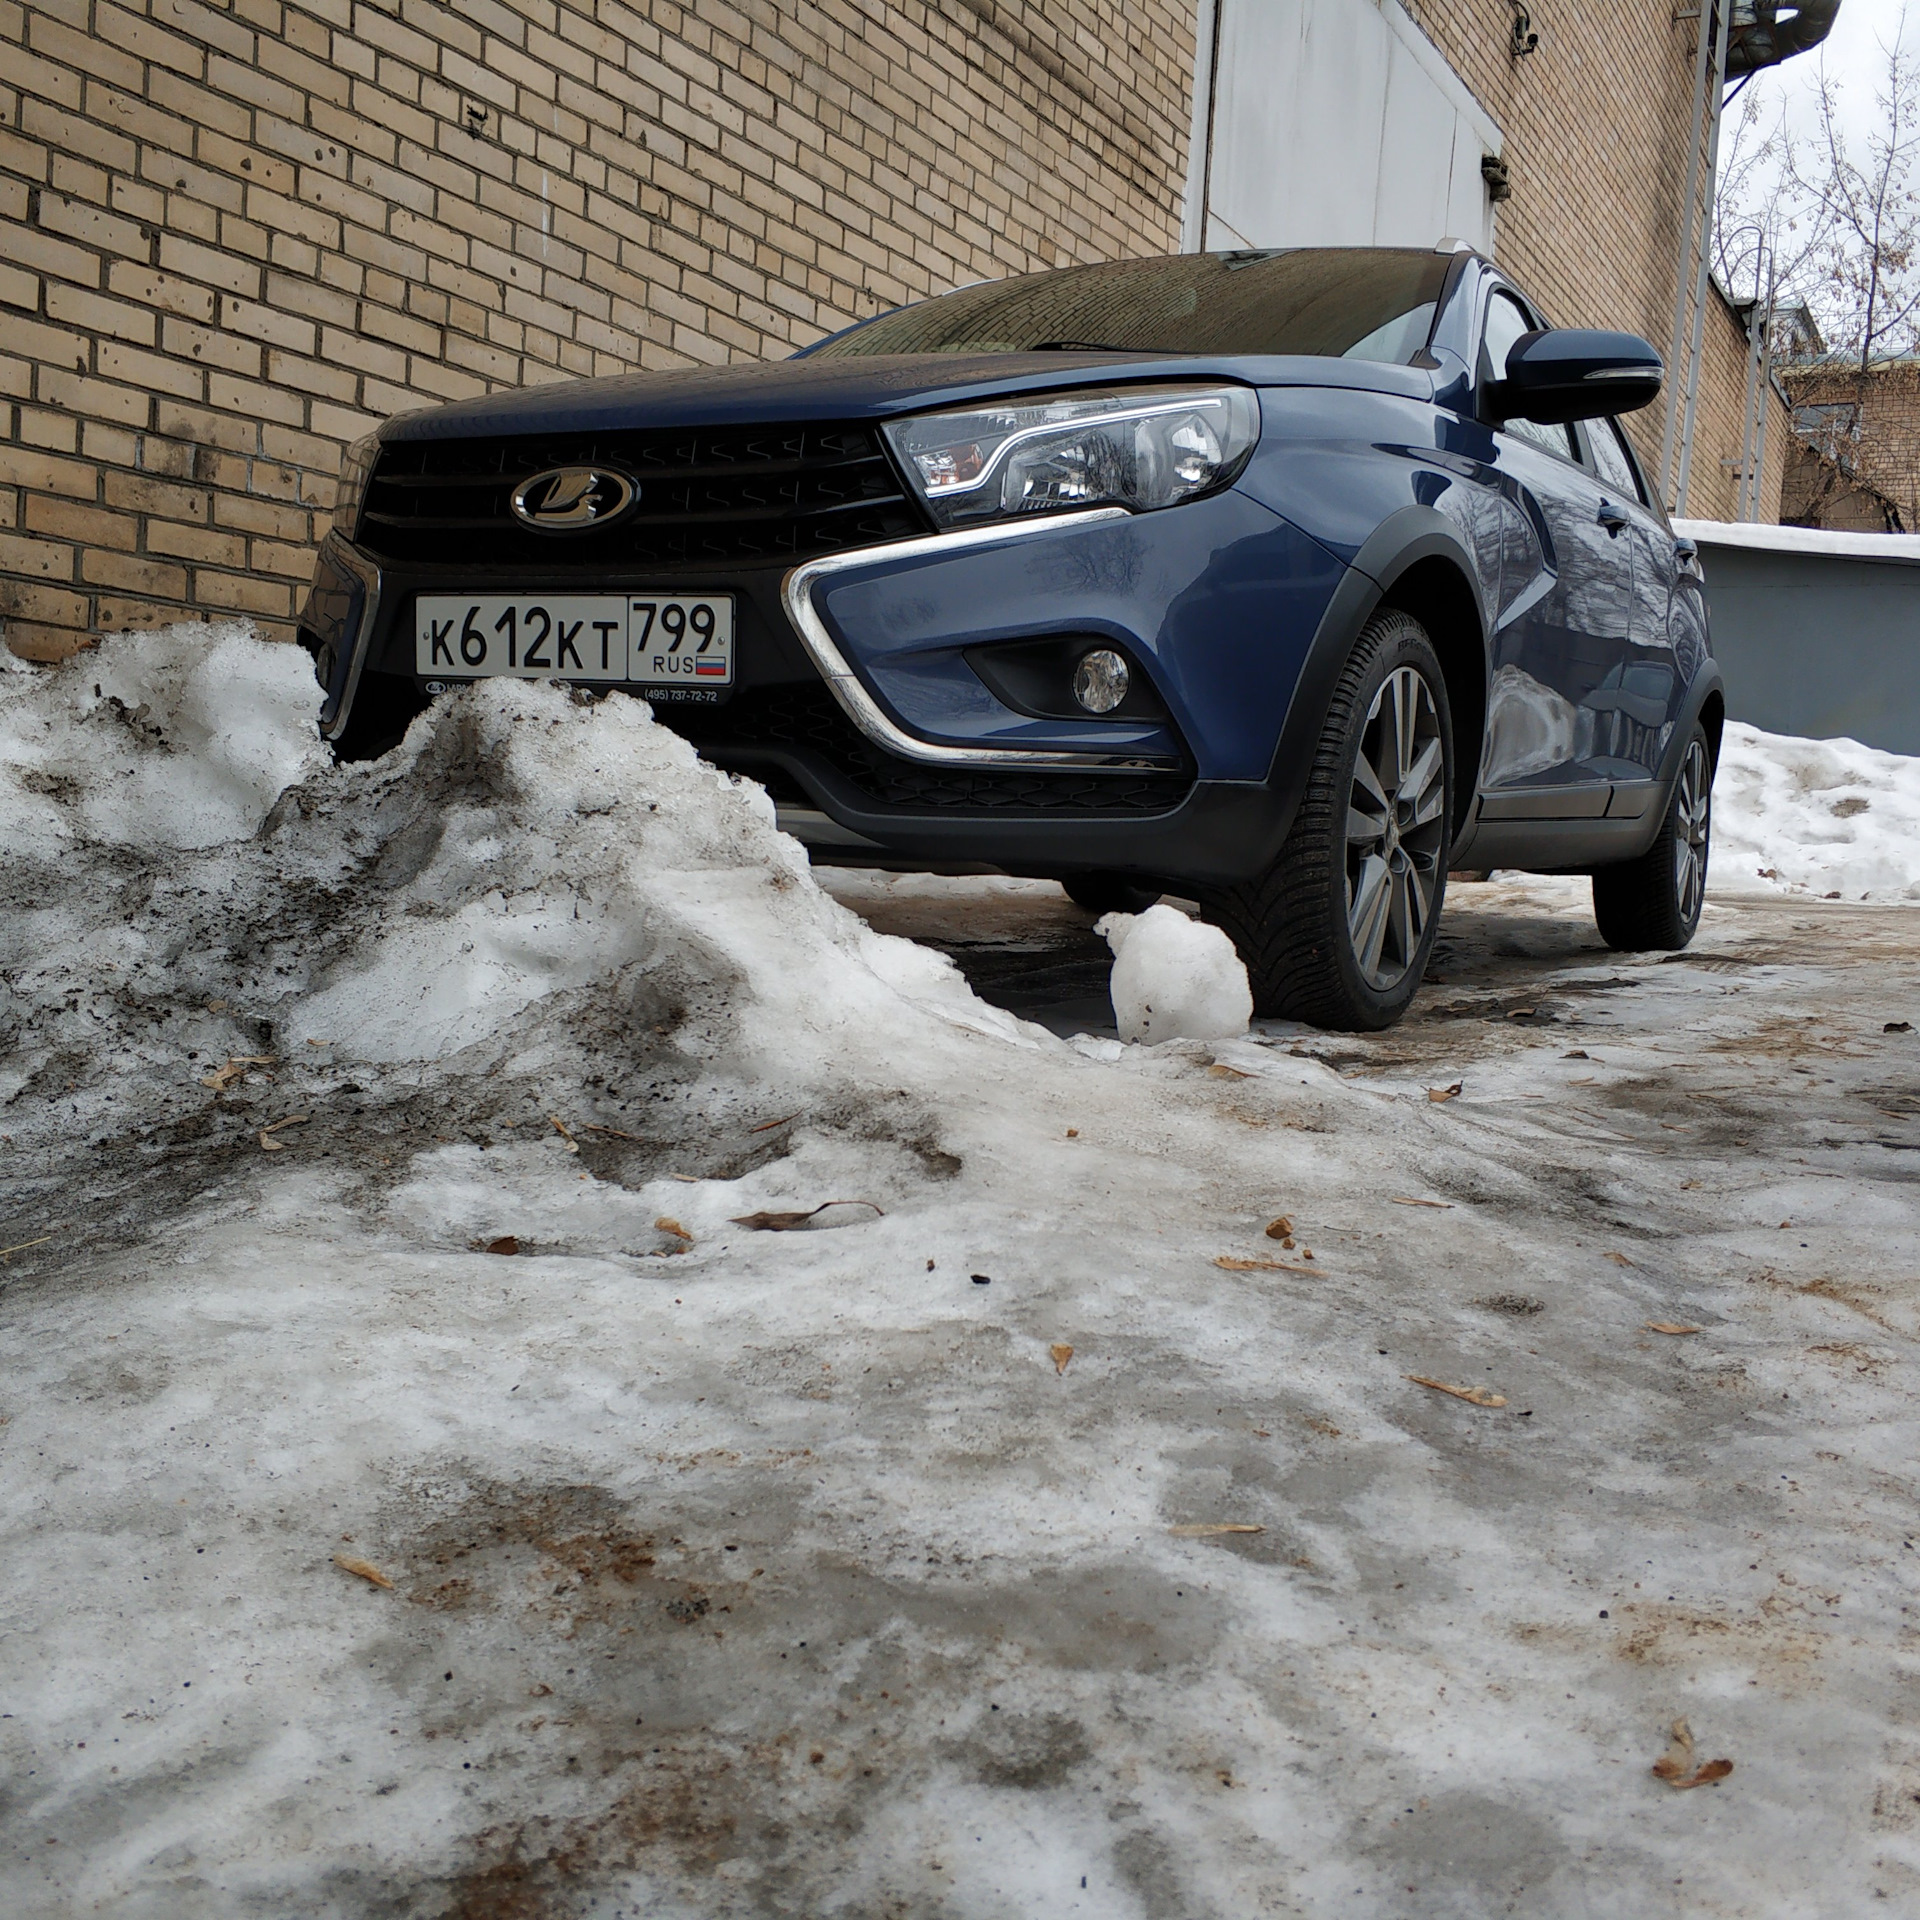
(1089, 346)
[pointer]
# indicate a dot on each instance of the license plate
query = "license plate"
(644, 639)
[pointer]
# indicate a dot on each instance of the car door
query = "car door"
(1634, 708)
(1567, 609)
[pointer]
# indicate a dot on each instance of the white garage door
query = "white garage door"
(1336, 123)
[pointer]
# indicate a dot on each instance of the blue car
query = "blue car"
(1282, 581)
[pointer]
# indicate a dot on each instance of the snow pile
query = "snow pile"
(179, 740)
(1175, 978)
(534, 903)
(1829, 818)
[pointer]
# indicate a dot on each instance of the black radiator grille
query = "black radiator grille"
(807, 723)
(708, 496)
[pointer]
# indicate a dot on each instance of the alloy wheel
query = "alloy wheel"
(1396, 828)
(1692, 818)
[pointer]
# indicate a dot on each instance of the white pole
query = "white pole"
(1756, 326)
(1766, 384)
(1706, 261)
(1193, 211)
(1683, 269)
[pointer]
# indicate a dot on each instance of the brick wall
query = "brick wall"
(1871, 435)
(233, 237)
(1594, 129)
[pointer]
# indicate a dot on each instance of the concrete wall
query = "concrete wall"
(1818, 634)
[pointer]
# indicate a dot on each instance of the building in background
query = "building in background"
(232, 237)
(1855, 464)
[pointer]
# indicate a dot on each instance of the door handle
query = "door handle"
(1610, 516)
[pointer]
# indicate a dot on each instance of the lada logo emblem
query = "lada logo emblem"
(569, 499)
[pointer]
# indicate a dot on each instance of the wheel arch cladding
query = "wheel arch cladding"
(1713, 716)
(1435, 592)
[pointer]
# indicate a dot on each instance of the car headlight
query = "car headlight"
(356, 469)
(1142, 447)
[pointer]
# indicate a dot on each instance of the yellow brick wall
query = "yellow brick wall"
(235, 236)
(1594, 126)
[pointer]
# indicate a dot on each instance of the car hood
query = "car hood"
(858, 387)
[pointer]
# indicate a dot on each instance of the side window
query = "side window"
(1506, 322)
(1610, 456)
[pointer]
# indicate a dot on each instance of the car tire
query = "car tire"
(1653, 904)
(1337, 932)
(1108, 893)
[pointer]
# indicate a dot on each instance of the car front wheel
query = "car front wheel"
(1338, 930)
(1653, 904)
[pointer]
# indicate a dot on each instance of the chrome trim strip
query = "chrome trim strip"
(860, 706)
(363, 570)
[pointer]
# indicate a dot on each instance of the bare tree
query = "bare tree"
(1867, 267)
(1838, 212)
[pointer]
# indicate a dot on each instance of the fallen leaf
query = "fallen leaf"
(1201, 1530)
(1618, 1259)
(1280, 1229)
(506, 1243)
(1898, 1026)
(1226, 1072)
(767, 1126)
(1521, 1013)
(271, 1145)
(1061, 1355)
(1669, 1326)
(1676, 1766)
(1444, 1205)
(1073, 1133)
(221, 1078)
(1229, 1264)
(666, 1225)
(765, 1222)
(559, 1127)
(1579, 1053)
(1784, 1225)
(1437, 1094)
(1478, 1396)
(359, 1568)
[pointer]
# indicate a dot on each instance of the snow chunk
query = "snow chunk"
(1816, 817)
(181, 738)
(1175, 978)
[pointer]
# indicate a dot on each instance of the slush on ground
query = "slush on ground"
(555, 1363)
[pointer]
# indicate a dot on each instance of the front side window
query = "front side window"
(1355, 303)
(1507, 320)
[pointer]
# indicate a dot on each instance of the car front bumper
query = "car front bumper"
(858, 700)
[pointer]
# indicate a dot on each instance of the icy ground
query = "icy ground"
(874, 1569)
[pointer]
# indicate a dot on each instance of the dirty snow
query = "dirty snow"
(1174, 978)
(855, 1571)
(1830, 818)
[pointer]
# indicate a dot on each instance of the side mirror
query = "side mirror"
(1571, 373)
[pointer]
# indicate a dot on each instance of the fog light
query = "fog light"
(1100, 680)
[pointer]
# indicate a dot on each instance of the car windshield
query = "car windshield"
(1355, 303)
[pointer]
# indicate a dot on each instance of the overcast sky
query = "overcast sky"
(1852, 56)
